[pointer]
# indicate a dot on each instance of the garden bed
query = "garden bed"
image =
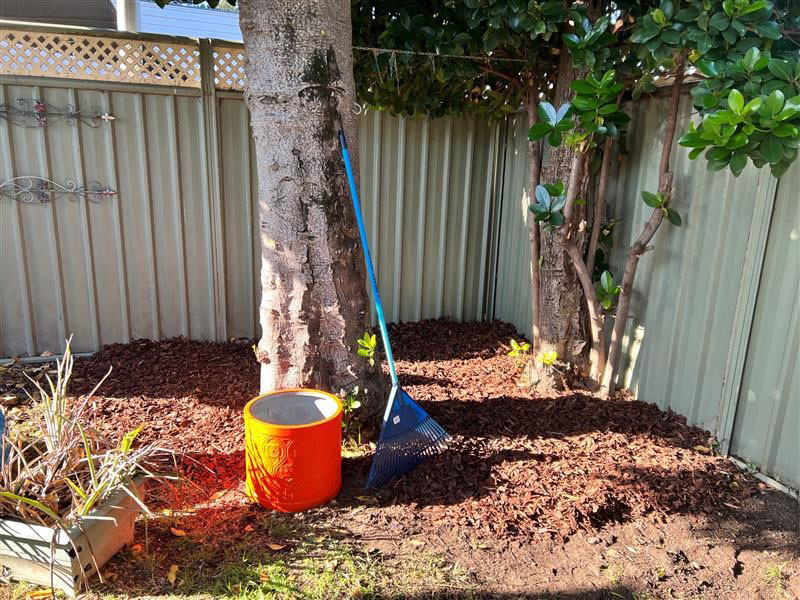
(535, 494)
(518, 465)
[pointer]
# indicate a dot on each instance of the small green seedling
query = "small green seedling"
(367, 345)
(519, 351)
(351, 426)
(776, 576)
(548, 359)
(606, 290)
(351, 401)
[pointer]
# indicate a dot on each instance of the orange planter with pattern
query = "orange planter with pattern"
(293, 448)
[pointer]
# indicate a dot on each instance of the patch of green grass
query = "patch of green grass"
(776, 577)
(278, 559)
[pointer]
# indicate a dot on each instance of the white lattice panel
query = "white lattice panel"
(70, 56)
(229, 68)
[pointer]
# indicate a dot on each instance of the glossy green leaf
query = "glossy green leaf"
(738, 163)
(538, 131)
(673, 217)
(548, 114)
(771, 149)
(780, 68)
(720, 21)
(543, 196)
(736, 101)
(688, 14)
(752, 106)
(708, 68)
(774, 103)
(606, 281)
(770, 30)
(651, 199)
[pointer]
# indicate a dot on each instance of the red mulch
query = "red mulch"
(189, 394)
(517, 464)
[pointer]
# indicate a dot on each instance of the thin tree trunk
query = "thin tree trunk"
(313, 294)
(599, 207)
(534, 171)
(640, 245)
(561, 299)
(570, 234)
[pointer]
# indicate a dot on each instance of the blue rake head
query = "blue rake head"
(408, 437)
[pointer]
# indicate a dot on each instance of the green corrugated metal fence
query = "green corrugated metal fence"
(175, 251)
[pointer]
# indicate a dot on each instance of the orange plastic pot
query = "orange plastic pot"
(293, 449)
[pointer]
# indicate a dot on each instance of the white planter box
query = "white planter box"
(26, 550)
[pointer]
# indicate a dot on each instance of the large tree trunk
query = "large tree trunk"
(313, 295)
(562, 307)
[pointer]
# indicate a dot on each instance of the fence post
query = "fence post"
(212, 149)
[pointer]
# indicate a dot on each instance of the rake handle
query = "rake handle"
(367, 258)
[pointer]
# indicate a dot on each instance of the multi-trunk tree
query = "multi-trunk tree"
(573, 67)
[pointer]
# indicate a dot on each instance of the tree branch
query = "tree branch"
(534, 173)
(599, 206)
(489, 71)
(600, 201)
(573, 186)
(640, 245)
(569, 235)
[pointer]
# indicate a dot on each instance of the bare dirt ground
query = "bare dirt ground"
(559, 497)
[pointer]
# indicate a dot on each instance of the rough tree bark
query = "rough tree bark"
(534, 171)
(561, 303)
(313, 295)
(639, 247)
(572, 238)
(599, 207)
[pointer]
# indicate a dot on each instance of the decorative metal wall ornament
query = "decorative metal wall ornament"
(38, 190)
(35, 113)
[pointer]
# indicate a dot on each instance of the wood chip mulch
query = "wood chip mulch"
(517, 465)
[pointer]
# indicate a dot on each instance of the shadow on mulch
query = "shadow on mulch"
(220, 374)
(441, 339)
(768, 522)
(560, 417)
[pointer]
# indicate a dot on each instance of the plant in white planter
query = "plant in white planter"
(69, 497)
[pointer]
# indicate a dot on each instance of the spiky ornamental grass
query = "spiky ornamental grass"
(69, 468)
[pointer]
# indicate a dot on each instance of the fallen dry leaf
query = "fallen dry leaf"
(178, 532)
(217, 495)
(249, 528)
(172, 574)
(367, 499)
(136, 548)
(277, 547)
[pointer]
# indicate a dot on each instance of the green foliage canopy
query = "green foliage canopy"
(483, 55)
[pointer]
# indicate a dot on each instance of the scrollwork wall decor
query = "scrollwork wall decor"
(38, 190)
(29, 112)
